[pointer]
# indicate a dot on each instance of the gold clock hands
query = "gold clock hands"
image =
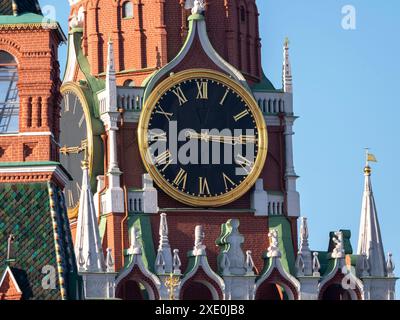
(242, 139)
(76, 150)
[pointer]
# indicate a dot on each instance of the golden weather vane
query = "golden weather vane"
(171, 283)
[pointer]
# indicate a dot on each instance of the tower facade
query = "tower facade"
(188, 230)
(149, 34)
(36, 255)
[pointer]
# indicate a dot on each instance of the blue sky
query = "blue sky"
(345, 93)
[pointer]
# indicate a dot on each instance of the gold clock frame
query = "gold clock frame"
(77, 90)
(150, 104)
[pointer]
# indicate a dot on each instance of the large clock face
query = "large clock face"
(202, 138)
(73, 138)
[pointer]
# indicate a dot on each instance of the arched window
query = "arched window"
(9, 98)
(129, 83)
(127, 10)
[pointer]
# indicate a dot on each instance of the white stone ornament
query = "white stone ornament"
(199, 247)
(273, 250)
(300, 265)
(249, 264)
(197, 6)
(390, 266)
(177, 262)
(338, 252)
(135, 247)
(110, 261)
(316, 265)
(160, 263)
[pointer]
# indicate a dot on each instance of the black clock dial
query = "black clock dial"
(216, 141)
(73, 133)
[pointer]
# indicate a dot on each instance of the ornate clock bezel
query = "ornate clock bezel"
(150, 104)
(78, 91)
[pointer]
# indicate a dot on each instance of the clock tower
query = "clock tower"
(36, 249)
(140, 70)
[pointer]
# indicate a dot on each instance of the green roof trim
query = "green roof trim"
(142, 223)
(35, 164)
(32, 19)
(283, 226)
(265, 85)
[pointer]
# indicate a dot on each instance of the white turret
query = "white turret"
(88, 249)
(287, 80)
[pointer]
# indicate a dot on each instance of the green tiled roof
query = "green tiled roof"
(35, 214)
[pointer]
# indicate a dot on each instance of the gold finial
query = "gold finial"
(287, 42)
(369, 157)
(171, 283)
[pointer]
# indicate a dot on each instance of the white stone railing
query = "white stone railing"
(276, 205)
(272, 103)
(130, 98)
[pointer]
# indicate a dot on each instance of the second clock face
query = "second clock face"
(73, 128)
(204, 140)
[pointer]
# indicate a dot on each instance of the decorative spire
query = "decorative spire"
(316, 265)
(287, 69)
(88, 247)
(164, 248)
(110, 261)
(370, 240)
(304, 249)
(390, 266)
(177, 263)
(111, 83)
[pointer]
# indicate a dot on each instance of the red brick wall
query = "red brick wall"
(157, 32)
(35, 50)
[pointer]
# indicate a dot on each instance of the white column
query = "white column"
(293, 197)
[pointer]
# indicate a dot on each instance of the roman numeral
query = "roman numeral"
(203, 186)
(81, 121)
(246, 164)
(180, 179)
(71, 201)
(202, 88)
(227, 182)
(155, 136)
(75, 103)
(66, 103)
(224, 97)
(168, 115)
(241, 115)
(181, 96)
(165, 159)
